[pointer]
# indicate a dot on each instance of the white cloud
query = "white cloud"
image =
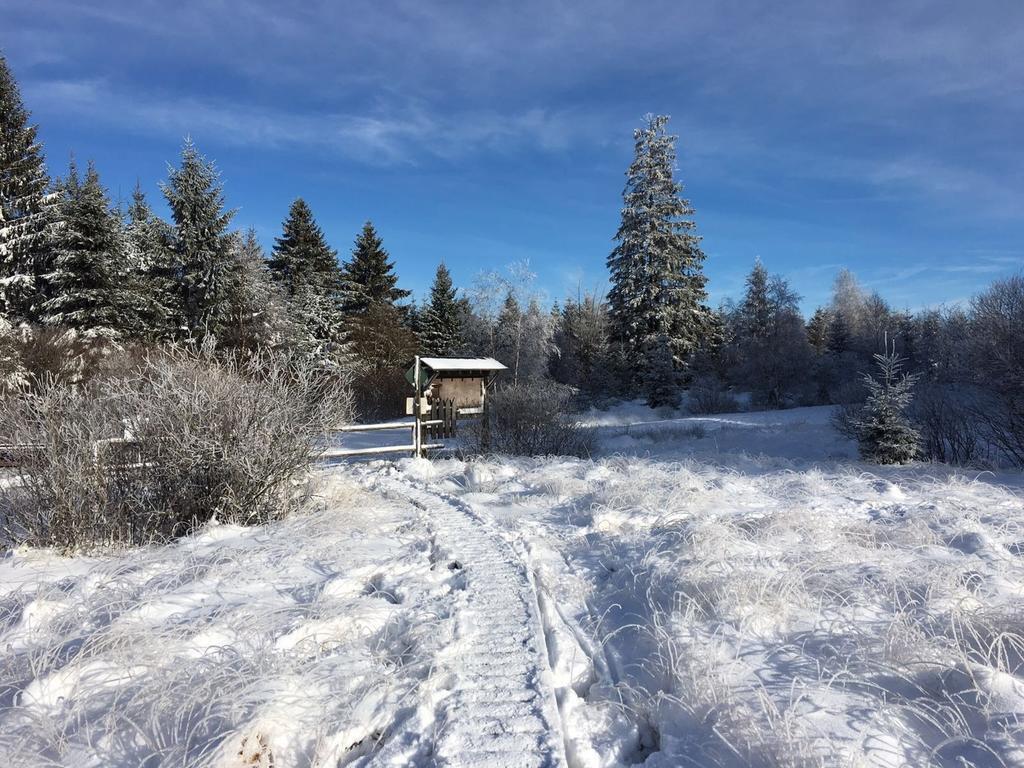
(401, 133)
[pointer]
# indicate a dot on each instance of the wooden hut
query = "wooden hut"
(451, 387)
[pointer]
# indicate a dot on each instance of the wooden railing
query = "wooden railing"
(417, 447)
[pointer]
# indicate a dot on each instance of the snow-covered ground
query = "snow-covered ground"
(732, 590)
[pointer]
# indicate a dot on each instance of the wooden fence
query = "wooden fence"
(445, 412)
(125, 452)
(417, 447)
(115, 451)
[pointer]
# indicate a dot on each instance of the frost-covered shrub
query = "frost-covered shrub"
(708, 395)
(530, 420)
(32, 355)
(61, 496)
(205, 439)
(54, 354)
(950, 432)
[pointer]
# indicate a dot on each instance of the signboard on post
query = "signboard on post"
(410, 405)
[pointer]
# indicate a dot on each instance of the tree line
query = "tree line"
(78, 271)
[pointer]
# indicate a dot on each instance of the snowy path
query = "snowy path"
(499, 710)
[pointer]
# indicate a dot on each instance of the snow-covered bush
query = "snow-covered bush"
(950, 432)
(708, 395)
(36, 355)
(883, 430)
(207, 439)
(997, 357)
(1000, 417)
(530, 420)
(61, 497)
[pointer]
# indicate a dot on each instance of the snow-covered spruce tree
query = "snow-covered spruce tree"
(257, 315)
(884, 433)
(369, 275)
(307, 272)
(90, 284)
(201, 244)
(25, 218)
(508, 336)
(301, 256)
(838, 340)
(660, 380)
(772, 356)
(13, 375)
(754, 312)
(658, 287)
(155, 275)
(440, 322)
(582, 354)
(818, 330)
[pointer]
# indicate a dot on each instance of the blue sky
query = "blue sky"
(884, 137)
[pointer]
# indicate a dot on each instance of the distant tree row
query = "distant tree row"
(77, 269)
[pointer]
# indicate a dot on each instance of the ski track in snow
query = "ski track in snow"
(499, 710)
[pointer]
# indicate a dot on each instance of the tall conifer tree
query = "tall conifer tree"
(508, 335)
(441, 320)
(369, 274)
(200, 242)
(25, 223)
(755, 311)
(155, 286)
(583, 357)
(306, 269)
(90, 281)
(302, 256)
(818, 330)
(657, 281)
(257, 318)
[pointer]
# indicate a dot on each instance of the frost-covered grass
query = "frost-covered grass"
(292, 644)
(714, 591)
(728, 609)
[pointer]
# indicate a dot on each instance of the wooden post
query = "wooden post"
(417, 434)
(485, 423)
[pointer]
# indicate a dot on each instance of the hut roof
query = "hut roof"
(462, 364)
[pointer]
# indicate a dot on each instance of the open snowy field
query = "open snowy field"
(732, 590)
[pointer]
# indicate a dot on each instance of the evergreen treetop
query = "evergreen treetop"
(755, 310)
(25, 223)
(90, 278)
(154, 266)
(818, 330)
(257, 318)
(441, 320)
(369, 275)
(301, 256)
(306, 269)
(201, 242)
(147, 233)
